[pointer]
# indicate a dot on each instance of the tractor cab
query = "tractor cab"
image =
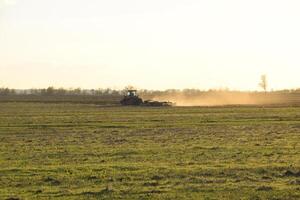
(131, 93)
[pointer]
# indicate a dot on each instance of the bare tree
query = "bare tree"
(263, 82)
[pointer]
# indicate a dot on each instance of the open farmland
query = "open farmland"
(84, 151)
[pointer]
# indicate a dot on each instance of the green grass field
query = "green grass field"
(77, 151)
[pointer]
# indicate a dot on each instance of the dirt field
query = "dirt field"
(85, 151)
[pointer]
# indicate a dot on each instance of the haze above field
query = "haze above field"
(149, 44)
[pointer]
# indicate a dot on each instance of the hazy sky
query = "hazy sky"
(155, 44)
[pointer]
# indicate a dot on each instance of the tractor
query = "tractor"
(131, 98)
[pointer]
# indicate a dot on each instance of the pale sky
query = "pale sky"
(152, 44)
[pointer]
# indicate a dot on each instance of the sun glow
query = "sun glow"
(149, 44)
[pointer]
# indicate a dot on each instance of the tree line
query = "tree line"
(52, 91)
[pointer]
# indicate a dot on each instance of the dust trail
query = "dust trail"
(221, 98)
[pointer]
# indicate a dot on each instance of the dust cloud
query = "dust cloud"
(222, 98)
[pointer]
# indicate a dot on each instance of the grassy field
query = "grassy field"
(84, 151)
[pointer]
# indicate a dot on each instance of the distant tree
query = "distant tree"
(7, 91)
(98, 92)
(61, 91)
(263, 82)
(4, 91)
(34, 91)
(77, 91)
(106, 91)
(50, 91)
(12, 91)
